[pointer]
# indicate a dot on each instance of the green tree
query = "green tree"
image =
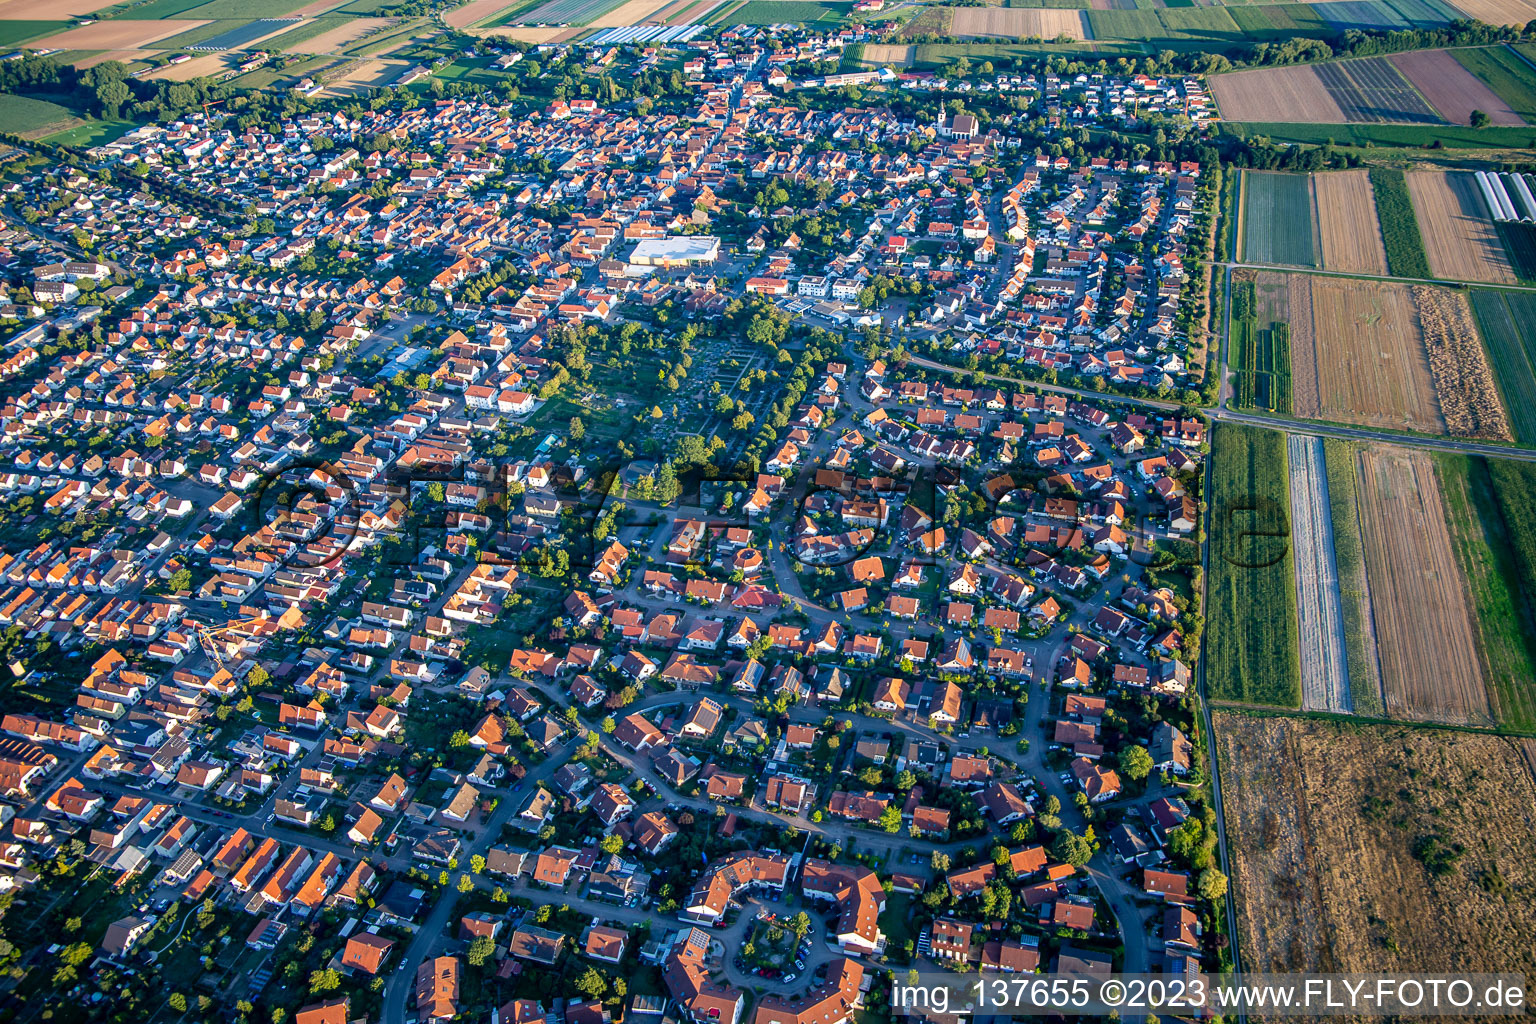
(1136, 762)
(1212, 885)
(480, 950)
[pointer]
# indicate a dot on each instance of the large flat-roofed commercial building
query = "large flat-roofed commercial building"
(675, 251)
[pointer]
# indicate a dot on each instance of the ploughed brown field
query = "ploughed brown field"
(1323, 821)
(1459, 236)
(1426, 638)
(1017, 23)
(1275, 94)
(1451, 89)
(1346, 223)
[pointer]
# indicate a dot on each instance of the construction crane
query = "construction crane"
(210, 637)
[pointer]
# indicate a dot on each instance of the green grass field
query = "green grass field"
(1277, 219)
(1491, 508)
(1400, 235)
(1281, 21)
(1251, 633)
(1175, 28)
(776, 12)
(1520, 243)
(92, 133)
(1388, 136)
(1349, 563)
(245, 9)
(940, 54)
(1506, 73)
(14, 33)
(1507, 321)
(158, 10)
(22, 114)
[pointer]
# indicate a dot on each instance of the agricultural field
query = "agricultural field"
(1452, 90)
(50, 10)
(336, 37)
(1259, 350)
(1319, 617)
(1388, 14)
(1403, 245)
(564, 12)
(1293, 93)
(120, 34)
(881, 54)
(1490, 513)
(33, 118)
(1277, 219)
(477, 11)
(1357, 353)
(1419, 606)
(1347, 838)
(1251, 639)
(1363, 666)
(1016, 23)
(790, 12)
(1507, 322)
(1348, 235)
(1371, 89)
(1459, 238)
(1499, 12)
(1506, 73)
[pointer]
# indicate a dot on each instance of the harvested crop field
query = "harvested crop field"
(1319, 616)
(1275, 94)
(1359, 356)
(525, 33)
(1016, 23)
(1350, 238)
(1425, 634)
(337, 39)
(120, 34)
(1348, 840)
(1459, 238)
(1451, 89)
(880, 54)
(197, 67)
(363, 76)
(1499, 12)
(1464, 383)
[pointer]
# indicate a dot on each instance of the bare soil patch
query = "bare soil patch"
(1017, 23)
(52, 10)
(120, 34)
(1451, 89)
(197, 67)
(1426, 638)
(1346, 222)
(1275, 94)
(342, 36)
(1324, 819)
(1469, 398)
(1459, 238)
(881, 54)
(524, 33)
(363, 76)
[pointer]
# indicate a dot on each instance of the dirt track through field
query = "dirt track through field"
(1293, 93)
(1426, 638)
(1459, 237)
(1346, 223)
(1319, 612)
